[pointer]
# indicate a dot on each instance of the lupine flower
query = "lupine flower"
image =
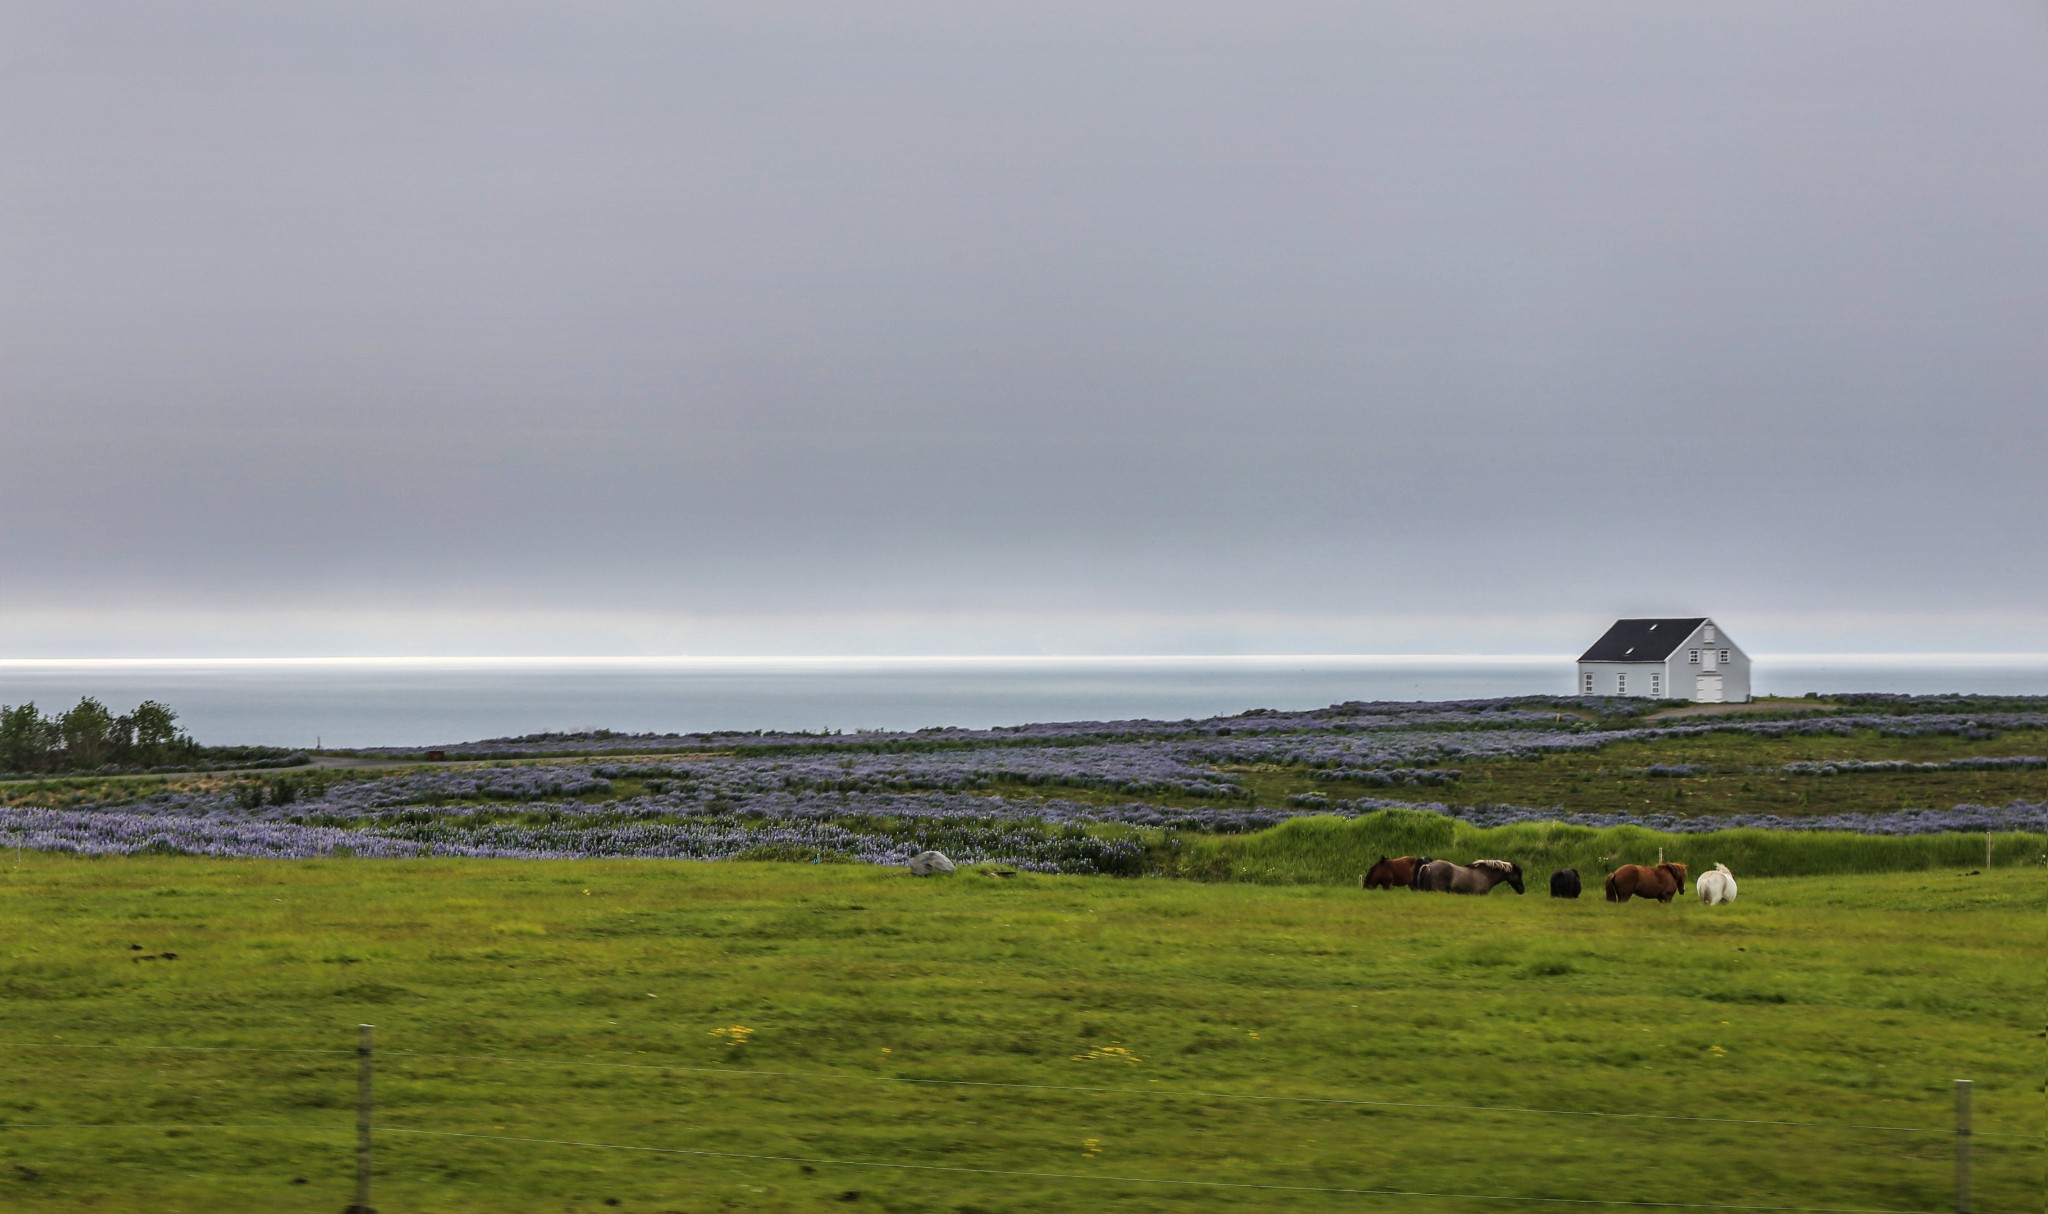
(882, 798)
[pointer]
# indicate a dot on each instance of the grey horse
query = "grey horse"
(1442, 876)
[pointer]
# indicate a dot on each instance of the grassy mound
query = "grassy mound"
(1337, 851)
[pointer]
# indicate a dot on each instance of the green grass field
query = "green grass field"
(1745, 777)
(1184, 1037)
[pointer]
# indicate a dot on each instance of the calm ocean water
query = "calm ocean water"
(418, 701)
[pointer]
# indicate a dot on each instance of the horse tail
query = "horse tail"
(1613, 889)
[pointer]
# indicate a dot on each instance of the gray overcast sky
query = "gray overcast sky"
(821, 327)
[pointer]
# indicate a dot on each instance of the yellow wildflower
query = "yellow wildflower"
(1113, 1052)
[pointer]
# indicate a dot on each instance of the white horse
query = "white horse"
(1716, 886)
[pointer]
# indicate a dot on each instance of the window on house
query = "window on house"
(1695, 657)
(1656, 685)
(1724, 657)
(1587, 680)
(1621, 684)
(1708, 634)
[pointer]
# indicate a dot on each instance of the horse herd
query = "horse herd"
(1663, 881)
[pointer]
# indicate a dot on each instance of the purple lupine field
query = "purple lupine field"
(1075, 797)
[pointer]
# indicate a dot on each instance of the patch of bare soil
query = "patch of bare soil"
(1723, 710)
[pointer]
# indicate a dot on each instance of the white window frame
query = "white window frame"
(1695, 659)
(1656, 686)
(1724, 657)
(1587, 683)
(1621, 682)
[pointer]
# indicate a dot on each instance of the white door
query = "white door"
(1709, 691)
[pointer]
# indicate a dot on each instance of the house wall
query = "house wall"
(1606, 679)
(1680, 674)
(1735, 688)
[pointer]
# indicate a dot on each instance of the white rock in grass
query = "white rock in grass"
(928, 863)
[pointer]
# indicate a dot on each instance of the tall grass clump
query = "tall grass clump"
(1330, 850)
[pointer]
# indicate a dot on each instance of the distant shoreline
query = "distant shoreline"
(842, 661)
(339, 703)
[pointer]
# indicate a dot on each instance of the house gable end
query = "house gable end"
(1694, 640)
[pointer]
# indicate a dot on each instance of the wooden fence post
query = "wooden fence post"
(361, 1205)
(1962, 1146)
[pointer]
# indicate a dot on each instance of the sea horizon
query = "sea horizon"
(337, 701)
(1861, 657)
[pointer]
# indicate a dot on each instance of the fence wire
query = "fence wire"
(1184, 1094)
(1013, 1173)
(1158, 1093)
(960, 1170)
(1155, 1180)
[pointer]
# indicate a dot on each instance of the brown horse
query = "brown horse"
(1442, 876)
(1663, 882)
(1398, 871)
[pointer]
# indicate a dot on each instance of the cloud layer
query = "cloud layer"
(802, 328)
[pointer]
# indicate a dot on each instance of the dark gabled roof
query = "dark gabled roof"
(1641, 640)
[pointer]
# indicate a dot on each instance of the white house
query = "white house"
(1666, 660)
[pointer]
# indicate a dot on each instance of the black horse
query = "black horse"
(1564, 883)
